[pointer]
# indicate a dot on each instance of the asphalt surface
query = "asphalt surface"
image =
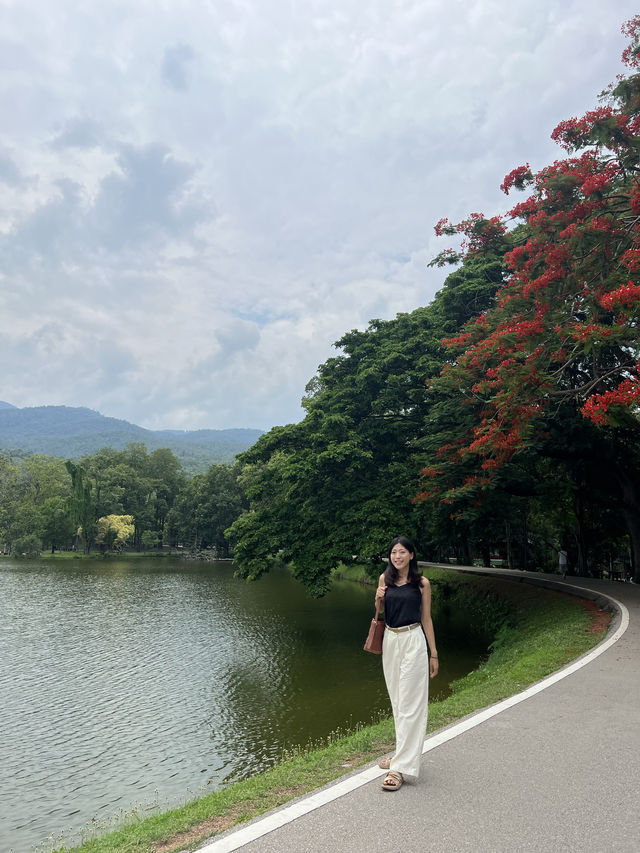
(558, 771)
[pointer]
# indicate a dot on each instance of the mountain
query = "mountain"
(73, 432)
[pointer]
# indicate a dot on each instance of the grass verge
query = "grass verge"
(536, 632)
(99, 555)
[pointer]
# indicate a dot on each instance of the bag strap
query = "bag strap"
(378, 611)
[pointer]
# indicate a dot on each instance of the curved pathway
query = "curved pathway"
(554, 769)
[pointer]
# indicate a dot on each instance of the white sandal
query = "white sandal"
(392, 781)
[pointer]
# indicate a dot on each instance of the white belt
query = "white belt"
(403, 627)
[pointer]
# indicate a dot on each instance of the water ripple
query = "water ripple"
(128, 683)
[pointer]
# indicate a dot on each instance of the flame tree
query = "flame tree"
(561, 341)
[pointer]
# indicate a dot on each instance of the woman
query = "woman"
(406, 597)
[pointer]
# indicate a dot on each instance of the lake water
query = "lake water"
(129, 683)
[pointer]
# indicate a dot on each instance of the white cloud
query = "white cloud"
(198, 199)
(175, 66)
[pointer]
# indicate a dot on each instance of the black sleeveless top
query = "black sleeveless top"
(402, 605)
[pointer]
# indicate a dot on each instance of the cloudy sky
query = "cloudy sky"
(198, 197)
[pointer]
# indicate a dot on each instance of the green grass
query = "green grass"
(353, 572)
(98, 555)
(536, 632)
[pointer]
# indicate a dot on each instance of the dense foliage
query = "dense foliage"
(112, 500)
(554, 364)
(341, 482)
(524, 424)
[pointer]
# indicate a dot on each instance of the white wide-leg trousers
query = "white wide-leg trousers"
(406, 671)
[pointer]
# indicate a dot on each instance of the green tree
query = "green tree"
(206, 507)
(82, 505)
(114, 531)
(186, 519)
(168, 479)
(44, 477)
(106, 485)
(9, 478)
(562, 339)
(55, 526)
(341, 482)
(44, 504)
(134, 482)
(60, 503)
(27, 546)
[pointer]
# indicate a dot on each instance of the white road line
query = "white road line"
(244, 835)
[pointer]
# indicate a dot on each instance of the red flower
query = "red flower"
(627, 294)
(517, 178)
(597, 408)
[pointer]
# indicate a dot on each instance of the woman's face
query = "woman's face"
(400, 557)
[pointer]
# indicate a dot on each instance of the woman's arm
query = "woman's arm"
(427, 627)
(380, 591)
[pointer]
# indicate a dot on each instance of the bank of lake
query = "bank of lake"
(144, 683)
(536, 632)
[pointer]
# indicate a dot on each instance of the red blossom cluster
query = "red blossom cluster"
(569, 266)
(631, 259)
(574, 132)
(478, 231)
(599, 223)
(518, 178)
(590, 331)
(496, 439)
(626, 294)
(524, 209)
(598, 407)
(628, 125)
(634, 200)
(443, 226)
(631, 54)
(457, 341)
(600, 182)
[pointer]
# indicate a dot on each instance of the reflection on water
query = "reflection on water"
(132, 682)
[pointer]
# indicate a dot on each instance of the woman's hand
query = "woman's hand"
(433, 666)
(380, 591)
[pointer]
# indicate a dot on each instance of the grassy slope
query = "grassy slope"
(536, 633)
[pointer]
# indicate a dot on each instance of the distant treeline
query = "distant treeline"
(114, 499)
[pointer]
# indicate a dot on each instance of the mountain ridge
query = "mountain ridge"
(74, 431)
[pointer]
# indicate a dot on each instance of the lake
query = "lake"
(129, 683)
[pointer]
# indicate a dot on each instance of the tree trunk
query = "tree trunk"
(578, 507)
(465, 552)
(507, 530)
(631, 512)
(633, 523)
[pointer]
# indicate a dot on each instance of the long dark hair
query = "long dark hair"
(391, 573)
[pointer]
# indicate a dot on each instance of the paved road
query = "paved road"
(558, 771)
